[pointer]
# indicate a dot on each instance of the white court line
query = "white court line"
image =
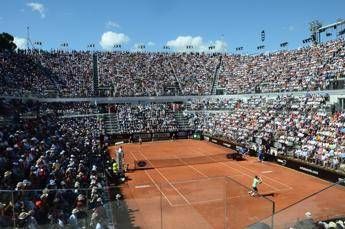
(197, 170)
(274, 180)
(215, 163)
(241, 172)
(143, 186)
(267, 171)
(273, 187)
(154, 182)
(162, 175)
(296, 171)
(204, 179)
(250, 176)
(159, 189)
(198, 202)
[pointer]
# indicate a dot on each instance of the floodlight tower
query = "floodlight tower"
(28, 39)
(316, 29)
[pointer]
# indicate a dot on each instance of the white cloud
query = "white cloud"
(35, 6)
(291, 28)
(198, 45)
(150, 43)
(136, 47)
(220, 46)
(109, 39)
(20, 42)
(112, 24)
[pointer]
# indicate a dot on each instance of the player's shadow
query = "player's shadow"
(123, 217)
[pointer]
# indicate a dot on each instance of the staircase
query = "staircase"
(216, 77)
(6, 121)
(110, 124)
(176, 78)
(182, 121)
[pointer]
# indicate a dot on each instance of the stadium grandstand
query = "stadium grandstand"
(190, 136)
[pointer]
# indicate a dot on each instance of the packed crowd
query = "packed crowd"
(52, 174)
(143, 118)
(69, 109)
(70, 74)
(137, 74)
(211, 104)
(195, 72)
(157, 74)
(52, 169)
(72, 71)
(21, 75)
(309, 222)
(302, 125)
(303, 69)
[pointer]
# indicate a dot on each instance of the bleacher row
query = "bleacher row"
(69, 74)
(303, 127)
(51, 146)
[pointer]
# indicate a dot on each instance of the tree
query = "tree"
(7, 42)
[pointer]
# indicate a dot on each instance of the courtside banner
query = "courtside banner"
(182, 134)
(151, 136)
(227, 145)
(314, 170)
(221, 142)
(161, 135)
(142, 136)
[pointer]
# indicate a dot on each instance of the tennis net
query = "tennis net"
(182, 161)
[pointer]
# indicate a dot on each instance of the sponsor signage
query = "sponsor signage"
(142, 136)
(182, 134)
(149, 136)
(161, 135)
(281, 161)
(308, 170)
(226, 145)
(301, 166)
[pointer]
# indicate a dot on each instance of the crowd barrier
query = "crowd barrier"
(308, 168)
(299, 165)
(52, 208)
(145, 137)
(188, 204)
(228, 144)
(324, 205)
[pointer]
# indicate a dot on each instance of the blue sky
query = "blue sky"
(155, 23)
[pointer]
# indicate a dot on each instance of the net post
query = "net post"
(161, 206)
(226, 204)
(273, 212)
(13, 211)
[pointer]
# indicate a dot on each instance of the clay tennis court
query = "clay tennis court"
(195, 187)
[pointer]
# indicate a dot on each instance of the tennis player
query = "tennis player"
(256, 181)
(260, 154)
(120, 159)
